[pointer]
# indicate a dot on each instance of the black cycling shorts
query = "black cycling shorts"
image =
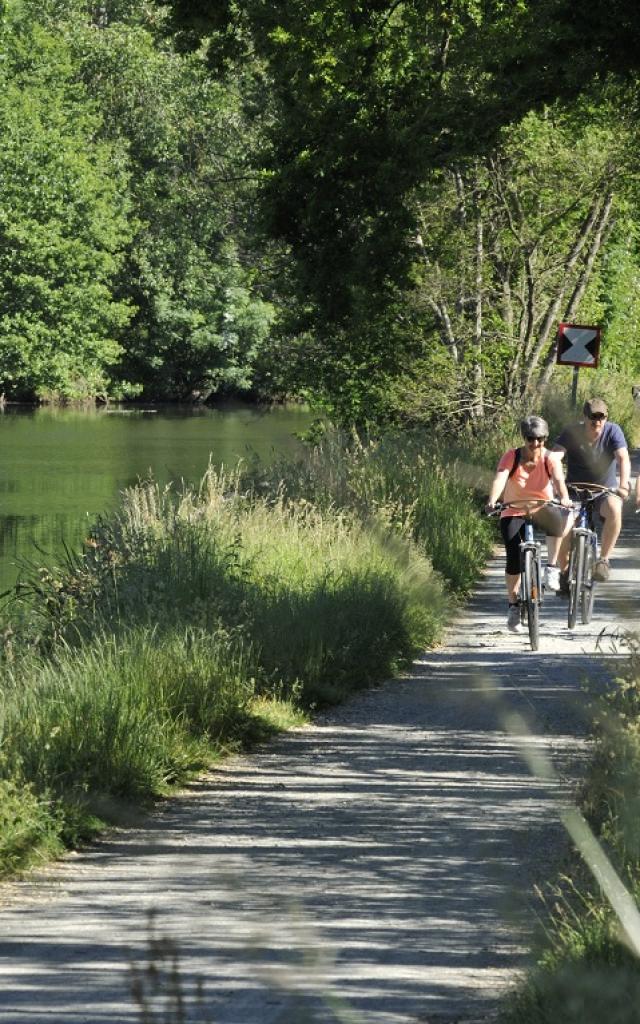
(551, 520)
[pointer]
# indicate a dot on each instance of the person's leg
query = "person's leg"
(611, 514)
(512, 528)
(563, 550)
(558, 552)
(555, 553)
(553, 549)
(556, 525)
(513, 587)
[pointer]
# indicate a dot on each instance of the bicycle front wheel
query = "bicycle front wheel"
(588, 593)
(576, 574)
(531, 597)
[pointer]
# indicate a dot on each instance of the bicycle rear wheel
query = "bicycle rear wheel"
(576, 573)
(532, 597)
(588, 593)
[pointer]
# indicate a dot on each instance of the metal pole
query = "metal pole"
(574, 388)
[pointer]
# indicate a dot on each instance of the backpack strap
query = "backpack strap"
(516, 463)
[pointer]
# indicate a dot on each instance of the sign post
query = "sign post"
(578, 345)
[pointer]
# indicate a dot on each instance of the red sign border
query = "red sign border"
(572, 362)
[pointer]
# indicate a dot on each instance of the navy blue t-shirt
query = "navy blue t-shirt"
(594, 464)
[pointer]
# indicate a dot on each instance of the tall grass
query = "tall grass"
(411, 483)
(328, 602)
(587, 970)
(164, 640)
(29, 827)
(88, 730)
(125, 716)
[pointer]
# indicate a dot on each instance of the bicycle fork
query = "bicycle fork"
(530, 544)
(590, 541)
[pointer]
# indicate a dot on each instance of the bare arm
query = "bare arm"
(624, 470)
(557, 478)
(497, 486)
(638, 491)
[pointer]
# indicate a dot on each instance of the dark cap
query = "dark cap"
(595, 406)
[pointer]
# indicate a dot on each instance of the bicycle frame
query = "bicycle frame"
(531, 594)
(582, 558)
(531, 590)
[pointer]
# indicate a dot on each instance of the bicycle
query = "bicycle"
(531, 587)
(583, 553)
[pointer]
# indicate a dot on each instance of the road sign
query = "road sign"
(578, 345)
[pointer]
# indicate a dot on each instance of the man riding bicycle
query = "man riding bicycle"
(597, 453)
(530, 471)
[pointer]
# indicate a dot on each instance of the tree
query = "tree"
(202, 311)
(370, 97)
(510, 243)
(63, 225)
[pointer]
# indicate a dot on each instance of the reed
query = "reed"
(328, 602)
(197, 619)
(417, 486)
(124, 716)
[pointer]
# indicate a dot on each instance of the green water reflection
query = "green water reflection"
(60, 468)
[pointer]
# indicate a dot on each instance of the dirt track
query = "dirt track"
(384, 856)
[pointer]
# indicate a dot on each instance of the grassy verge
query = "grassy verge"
(200, 621)
(411, 483)
(588, 966)
(89, 731)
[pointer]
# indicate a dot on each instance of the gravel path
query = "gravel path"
(381, 860)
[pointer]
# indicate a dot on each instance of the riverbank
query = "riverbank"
(63, 467)
(191, 618)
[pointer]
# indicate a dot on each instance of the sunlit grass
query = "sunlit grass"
(325, 601)
(196, 622)
(412, 483)
(125, 716)
(29, 832)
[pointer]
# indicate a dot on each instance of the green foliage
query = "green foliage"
(328, 603)
(235, 207)
(612, 791)
(583, 993)
(509, 246)
(63, 226)
(189, 623)
(424, 489)
(620, 298)
(363, 103)
(202, 317)
(28, 829)
(123, 717)
(130, 246)
(586, 969)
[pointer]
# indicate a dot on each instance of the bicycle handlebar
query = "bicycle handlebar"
(525, 503)
(522, 503)
(598, 489)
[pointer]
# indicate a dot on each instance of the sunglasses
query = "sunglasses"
(597, 417)
(530, 438)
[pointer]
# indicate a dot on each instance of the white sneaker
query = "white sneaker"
(552, 578)
(513, 619)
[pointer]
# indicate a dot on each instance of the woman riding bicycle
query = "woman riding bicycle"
(530, 471)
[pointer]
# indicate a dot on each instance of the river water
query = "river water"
(59, 468)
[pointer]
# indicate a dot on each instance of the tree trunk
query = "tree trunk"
(477, 375)
(600, 234)
(551, 315)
